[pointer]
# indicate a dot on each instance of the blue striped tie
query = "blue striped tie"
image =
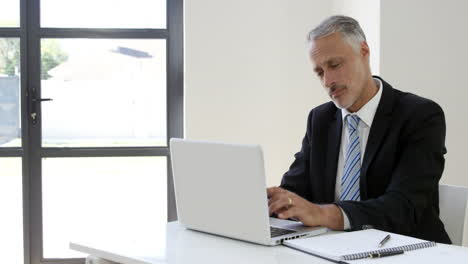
(352, 168)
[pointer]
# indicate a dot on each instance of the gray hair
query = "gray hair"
(348, 26)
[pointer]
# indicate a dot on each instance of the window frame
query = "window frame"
(30, 34)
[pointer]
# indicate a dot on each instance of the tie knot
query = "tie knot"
(353, 121)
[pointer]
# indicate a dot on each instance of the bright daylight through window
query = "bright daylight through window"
(90, 92)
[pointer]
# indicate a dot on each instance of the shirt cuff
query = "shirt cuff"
(346, 225)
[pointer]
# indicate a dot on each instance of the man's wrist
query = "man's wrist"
(331, 216)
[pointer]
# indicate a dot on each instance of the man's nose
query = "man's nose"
(328, 80)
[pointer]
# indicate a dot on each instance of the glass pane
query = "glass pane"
(9, 13)
(106, 92)
(10, 121)
(11, 203)
(90, 199)
(103, 13)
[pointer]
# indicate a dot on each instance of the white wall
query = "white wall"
(247, 74)
(424, 50)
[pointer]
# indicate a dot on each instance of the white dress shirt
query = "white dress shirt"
(366, 114)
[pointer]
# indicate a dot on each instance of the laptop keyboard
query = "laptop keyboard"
(275, 231)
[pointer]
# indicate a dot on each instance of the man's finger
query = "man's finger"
(281, 202)
(273, 191)
(277, 206)
(289, 213)
(270, 191)
(274, 198)
(273, 207)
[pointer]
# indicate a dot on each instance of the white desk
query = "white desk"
(185, 246)
(176, 245)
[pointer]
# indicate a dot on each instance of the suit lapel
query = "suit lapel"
(377, 133)
(333, 148)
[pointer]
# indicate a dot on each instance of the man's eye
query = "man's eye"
(333, 66)
(320, 74)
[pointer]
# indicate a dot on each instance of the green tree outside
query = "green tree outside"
(52, 55)
(9, 55)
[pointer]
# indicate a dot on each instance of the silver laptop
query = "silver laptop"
(220, 189)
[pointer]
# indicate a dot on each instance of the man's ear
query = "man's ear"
(365, 51)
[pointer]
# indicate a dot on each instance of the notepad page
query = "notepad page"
(346, 243)
(434, 255)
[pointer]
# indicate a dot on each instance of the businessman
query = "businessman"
(373, 156)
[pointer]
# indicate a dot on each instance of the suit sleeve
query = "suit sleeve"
(296, 178)
(414, 179)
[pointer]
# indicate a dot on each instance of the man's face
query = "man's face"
(342, 70)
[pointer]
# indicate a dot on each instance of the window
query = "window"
(10, 13)
(11, 226)
(90, 93)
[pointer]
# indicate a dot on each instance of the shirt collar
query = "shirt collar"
(367, 112)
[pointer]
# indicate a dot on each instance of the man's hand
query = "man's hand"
(290, 205)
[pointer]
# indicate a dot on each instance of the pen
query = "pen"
(384, 240)
(386, 254)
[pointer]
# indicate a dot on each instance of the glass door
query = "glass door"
(12, 222)
(90, 93)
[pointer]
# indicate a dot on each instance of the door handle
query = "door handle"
(41, 100)
(34, 102)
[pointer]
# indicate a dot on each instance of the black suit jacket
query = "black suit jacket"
(402, 165)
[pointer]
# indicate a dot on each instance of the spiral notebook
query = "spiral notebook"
(355, 245)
